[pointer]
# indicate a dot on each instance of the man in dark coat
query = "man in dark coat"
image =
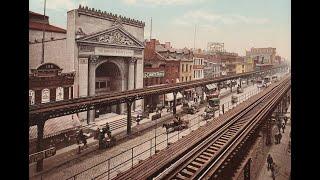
(269, 161)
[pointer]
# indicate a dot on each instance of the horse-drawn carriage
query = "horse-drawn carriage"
(214, 105)
(176, 124)
(104, 137)
(234, 99)
(190, 107)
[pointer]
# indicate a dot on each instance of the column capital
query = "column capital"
(93, 59)
(133, 60)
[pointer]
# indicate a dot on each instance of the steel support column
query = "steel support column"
(40, 127)
(268, 132)
(129, 104)
(174, 110)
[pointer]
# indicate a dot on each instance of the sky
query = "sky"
(239, 24)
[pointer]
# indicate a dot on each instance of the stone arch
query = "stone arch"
(109, 75)
(117, 61)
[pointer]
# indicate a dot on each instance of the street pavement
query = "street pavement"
(281, 154)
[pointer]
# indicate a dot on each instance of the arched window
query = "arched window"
(31, 97)
(45, 95)
(59, 94)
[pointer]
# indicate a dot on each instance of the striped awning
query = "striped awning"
(211, 86)
(56, 126)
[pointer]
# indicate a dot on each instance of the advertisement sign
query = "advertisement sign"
(113, 52)
(153, 74)
(42, 155)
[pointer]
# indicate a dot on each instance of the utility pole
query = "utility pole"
(151, 29)
(43, 31)
(194, 37)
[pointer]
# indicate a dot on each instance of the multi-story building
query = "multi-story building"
(263, 57)
(50, 78)
(250, 65)
(228, 63)
(198, 66)
(154, 72)
(186, 66)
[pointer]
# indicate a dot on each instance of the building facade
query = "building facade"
(154, 72)
(263, 55)
(198, 66)
(106, 51)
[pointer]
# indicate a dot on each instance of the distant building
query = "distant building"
(198, 66)
(264, 57)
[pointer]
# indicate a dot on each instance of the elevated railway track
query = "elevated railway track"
(209, 151)
(62, 108)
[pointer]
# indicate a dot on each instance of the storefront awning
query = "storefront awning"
(56, 126)
(169, 96)
(211, 86)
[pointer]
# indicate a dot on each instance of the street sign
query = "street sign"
(42, 155)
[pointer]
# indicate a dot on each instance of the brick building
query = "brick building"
(154, 72)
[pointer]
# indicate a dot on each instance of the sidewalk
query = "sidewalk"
(281, 155)
(70, 153)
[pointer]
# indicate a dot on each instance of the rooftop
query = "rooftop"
(105, 14)
(48, 27)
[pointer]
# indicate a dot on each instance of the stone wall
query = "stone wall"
(37, 35)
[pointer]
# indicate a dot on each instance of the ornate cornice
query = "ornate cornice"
(104, 14)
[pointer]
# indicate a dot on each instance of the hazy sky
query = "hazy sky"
(240, 24)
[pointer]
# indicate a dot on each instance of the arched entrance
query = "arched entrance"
(108, 80)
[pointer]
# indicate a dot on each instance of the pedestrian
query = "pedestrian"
(269, 161)
(276, 138)
(285, 120)
(280, 136)
(283, 127)
(279, 126)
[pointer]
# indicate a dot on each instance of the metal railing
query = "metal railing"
(125, 160)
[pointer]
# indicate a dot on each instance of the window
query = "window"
(182, 67)
(31, 97)
(101, 84)
(45, 96)
(59, 93)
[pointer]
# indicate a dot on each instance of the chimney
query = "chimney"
(153, 44)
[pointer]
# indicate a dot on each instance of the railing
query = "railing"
(110, 167)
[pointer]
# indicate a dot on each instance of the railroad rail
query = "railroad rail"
(65, 107)
(202, 152)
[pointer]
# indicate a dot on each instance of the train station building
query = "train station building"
(104, 52)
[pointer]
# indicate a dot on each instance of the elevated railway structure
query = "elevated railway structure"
(40, 113)
(214, 151)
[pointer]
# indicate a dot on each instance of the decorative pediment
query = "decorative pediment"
(115, 36)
